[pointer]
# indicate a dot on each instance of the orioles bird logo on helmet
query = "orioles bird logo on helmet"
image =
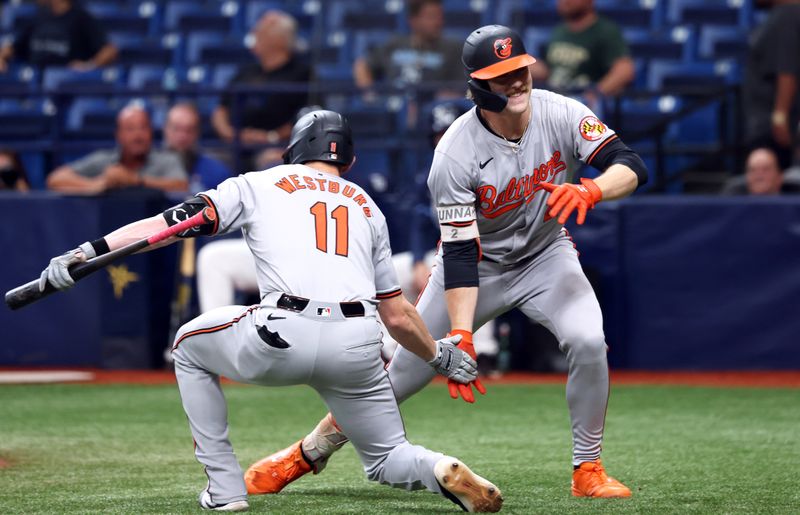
(502, 48)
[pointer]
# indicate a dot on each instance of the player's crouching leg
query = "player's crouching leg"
(412, 467)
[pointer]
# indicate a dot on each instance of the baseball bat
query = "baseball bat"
(28, 293)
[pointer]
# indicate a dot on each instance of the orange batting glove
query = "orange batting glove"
(465, 389)
(568, 197)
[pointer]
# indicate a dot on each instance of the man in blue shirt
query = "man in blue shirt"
(181, 133)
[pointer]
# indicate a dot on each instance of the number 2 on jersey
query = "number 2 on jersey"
(339, 215)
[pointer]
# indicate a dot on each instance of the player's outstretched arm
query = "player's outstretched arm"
(191, 218)
(406, 326)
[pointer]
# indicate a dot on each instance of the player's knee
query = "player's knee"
(584, 346)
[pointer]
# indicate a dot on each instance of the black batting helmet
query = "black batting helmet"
(489, 52)
(320, 136)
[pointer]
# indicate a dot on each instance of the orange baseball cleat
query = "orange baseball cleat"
(591, 480)
(271, 474)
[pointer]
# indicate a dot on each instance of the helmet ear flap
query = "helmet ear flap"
(484, 97)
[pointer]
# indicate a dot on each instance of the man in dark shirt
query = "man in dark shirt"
(586, 52)
(418, 58)
(771, 80)
(266, 118)
(61, 34)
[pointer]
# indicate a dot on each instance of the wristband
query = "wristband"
(99, 246)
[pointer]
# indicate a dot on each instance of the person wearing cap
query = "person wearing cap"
(502, 181)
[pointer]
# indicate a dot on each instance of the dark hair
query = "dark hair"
(415, 6)
(16, 164)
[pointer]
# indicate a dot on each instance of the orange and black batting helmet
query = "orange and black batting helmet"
(489, 52)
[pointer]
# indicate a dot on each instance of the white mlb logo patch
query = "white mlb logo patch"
(323, 312)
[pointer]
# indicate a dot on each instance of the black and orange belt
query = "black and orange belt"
(298, 304)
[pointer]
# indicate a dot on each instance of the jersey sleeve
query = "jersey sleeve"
(386, 283)
(589, 134)
(231, 200)
(450, 183)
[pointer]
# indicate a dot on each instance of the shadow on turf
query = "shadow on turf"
(381, 499)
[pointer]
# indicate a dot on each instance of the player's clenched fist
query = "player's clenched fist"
(452, 362)
(465, 390)
(566, 198)
(57, 273)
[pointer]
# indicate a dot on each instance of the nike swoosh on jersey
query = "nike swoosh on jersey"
(272, 317)
(483, 165)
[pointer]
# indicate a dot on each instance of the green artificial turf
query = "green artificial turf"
(127, 449)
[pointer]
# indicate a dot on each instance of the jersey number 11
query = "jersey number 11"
(339, 215)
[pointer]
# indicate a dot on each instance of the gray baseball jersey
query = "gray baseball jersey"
(317, 236)
(312, 234)
(478, 175)
(529, 261)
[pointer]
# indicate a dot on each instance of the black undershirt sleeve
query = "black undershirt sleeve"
(460, 264)
(617, 152)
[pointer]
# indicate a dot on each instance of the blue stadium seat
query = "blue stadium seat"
(536, 40)
(536, 15)
(15, 15)
(222, 74)
(197, 75)
(135, 49)
(671, 74)
(698, 12)
(465, 19)
(722, 42)
(151, 76)
(678, 43)
(19, 77)
(57, 77)
(631, 16)
(215, 48)
(639, 115)
(186, 15)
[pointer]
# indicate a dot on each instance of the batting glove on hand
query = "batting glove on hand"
(58, 270)
(465, 390)
(567, 197)
(452, 362)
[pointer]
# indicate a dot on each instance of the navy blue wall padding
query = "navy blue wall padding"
(686, 283)
(712, 283)
(87, 325)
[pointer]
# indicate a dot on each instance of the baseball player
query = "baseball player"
(501, 180)
(324, 268)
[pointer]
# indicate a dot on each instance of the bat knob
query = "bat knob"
(209, 214)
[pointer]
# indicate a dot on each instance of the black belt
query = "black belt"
(298, 304)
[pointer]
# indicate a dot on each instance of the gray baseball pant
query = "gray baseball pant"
(339, 357)
(552, 290)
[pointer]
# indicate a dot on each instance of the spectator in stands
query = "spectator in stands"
(182, 131)
(771, 80)
(266, 118)
(12, 172)
(763, 176)
(134, 163)
(63, 33)
(587, 52)
(421, 57)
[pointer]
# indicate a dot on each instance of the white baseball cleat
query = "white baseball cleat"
(207, 504)
(466, 488)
